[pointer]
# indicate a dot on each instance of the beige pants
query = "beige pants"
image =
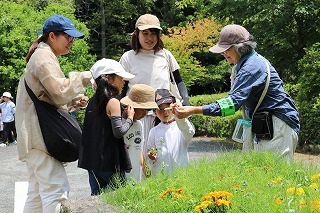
(48, 183)
(284, 141)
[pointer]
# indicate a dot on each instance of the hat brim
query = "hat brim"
(219, 48)
(144, 27)
(125, 75)
(7, 97)
(140, 105)
(74, 33)
(167, 100)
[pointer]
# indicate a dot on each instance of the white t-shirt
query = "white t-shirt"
(149, 68)
(134, 140)
(172, 142)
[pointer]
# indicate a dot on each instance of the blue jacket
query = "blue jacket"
(248, 86)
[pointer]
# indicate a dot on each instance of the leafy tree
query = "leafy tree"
(19, 24)
(308, 97)
(109, 23)
(283, 28)
(190, 46)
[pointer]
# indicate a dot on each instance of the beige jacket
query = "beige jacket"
(47, 81)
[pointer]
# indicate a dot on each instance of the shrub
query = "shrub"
(213, 126)
(308, 97)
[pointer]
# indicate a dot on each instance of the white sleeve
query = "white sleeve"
(186, 127)
(174, 62)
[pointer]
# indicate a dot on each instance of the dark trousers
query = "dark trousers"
(100, 181)
(7, 133)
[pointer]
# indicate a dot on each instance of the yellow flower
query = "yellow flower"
(198, 208)
(276, 180)
(222, 202)
(206, 203)
(315, 205)
(295, 191)
(278, 201)
(314, 186)
(315, 177)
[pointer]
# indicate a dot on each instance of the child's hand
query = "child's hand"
(152, 154)
(130, 111)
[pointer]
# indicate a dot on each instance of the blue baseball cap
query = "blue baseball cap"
(59, 23)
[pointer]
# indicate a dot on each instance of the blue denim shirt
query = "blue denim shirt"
(8, 109)
(248, 86)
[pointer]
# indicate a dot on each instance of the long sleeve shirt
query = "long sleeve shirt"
(248, 86)
(172, 141)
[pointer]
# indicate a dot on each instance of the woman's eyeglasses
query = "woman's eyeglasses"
(69, 38)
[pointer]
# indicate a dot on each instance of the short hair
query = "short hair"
(246, 47)
(136, 46)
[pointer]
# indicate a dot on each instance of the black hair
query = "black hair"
(105, 91)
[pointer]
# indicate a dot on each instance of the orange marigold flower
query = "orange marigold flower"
(302, 203)
(222, 202)
(315, 205)
(278, 200)
(206, 203)
(180, 191)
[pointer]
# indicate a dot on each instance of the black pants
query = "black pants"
(7, 133)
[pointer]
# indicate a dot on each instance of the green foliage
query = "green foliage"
(257, 181)
(186, 43)
(19, 24)
(212, 126)
(308, 97)
(280, 27)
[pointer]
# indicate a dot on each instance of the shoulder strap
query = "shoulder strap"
(31, 94)
(265, 87)
(169, 65)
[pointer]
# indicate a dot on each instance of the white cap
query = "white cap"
(7, 94)
(109, 66)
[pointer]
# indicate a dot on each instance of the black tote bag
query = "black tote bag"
(60, 130)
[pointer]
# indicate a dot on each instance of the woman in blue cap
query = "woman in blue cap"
(48, 182)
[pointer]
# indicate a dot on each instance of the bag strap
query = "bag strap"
(31, 94)
(170, 67)
(264, 92)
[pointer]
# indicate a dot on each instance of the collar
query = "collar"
(243, 59)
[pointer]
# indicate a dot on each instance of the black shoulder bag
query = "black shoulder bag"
(262, 125)
(60, 130)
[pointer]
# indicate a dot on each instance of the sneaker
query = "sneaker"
(12, 143)
(3, 145)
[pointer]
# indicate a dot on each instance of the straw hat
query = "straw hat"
(140, 96)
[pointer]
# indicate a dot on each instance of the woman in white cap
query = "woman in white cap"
(150, 62)
(8, 110)
(238, 47)
(48, 181)
(102, 150)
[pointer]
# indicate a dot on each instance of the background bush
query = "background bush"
(213, 126)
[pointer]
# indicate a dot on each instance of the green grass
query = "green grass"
(258, 182)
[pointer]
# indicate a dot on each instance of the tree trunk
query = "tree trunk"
(103, 30)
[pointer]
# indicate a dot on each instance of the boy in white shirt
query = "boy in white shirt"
(142, 98)
(167, 144)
